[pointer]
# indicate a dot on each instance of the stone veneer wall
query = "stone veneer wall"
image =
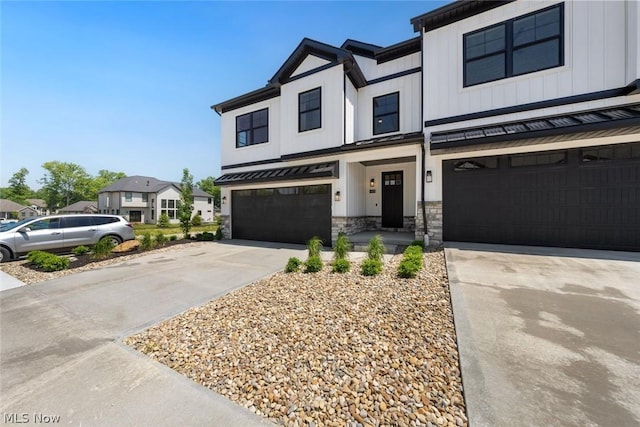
(352, 225)
(226, 226)
(434, 223)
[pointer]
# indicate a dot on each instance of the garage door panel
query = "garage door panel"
(578, 203)
(287, 215)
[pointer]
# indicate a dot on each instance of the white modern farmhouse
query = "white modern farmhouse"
(143, 199)
(514, 122)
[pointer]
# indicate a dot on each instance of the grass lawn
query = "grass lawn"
(140, 229)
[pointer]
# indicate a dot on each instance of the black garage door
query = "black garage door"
(289, 215)
(583, 198)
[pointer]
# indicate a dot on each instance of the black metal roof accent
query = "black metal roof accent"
(360, 48)
(263, 94)
(453, 12)
(310, 171)
(399, 50)
(569, 123)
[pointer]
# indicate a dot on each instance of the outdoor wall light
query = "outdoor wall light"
(337, 196)
(372, 183)
(224, 200)
(429, 176)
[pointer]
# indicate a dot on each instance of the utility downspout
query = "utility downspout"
(424, 167)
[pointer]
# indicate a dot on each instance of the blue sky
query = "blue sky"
(127, 86)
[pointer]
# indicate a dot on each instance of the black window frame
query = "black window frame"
(510, 49)
(376, 117)
(310, 110)
(251, 130)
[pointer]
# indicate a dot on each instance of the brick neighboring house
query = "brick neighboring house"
(513, 122)
(81, 207)
(143, 199)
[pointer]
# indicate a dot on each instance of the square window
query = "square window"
(309, 108)
(252, 128)
(386, 113)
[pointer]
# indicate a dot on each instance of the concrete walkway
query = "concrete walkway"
(61, 351)
(9, 282)
(547, 337)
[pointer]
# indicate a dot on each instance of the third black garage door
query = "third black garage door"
(288, 215)
(582, 198)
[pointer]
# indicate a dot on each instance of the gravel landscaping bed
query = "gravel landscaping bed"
(23, 272)
(325, 348)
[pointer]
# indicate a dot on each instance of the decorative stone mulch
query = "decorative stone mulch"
(325, 349)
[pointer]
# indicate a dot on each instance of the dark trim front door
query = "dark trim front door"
(392, 202)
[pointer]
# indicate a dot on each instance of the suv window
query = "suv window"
(101, 220)
(44, 224)
(77, 221)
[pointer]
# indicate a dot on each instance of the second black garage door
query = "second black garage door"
(288, 215)
(582, 198)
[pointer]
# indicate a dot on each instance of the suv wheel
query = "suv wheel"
(5, 255)
(115, 240)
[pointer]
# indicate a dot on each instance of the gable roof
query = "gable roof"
(7, 205)
(38, 202)
(146, 184)
(81, 206)
(335, 55)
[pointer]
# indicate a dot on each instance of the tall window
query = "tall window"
(309, 110)
(145, 197)
(386, 113)
(252, 128)
(521, 45)
(128, 197)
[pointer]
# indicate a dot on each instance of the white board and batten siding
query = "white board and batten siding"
(230, 154)
(330, 134)
(595, 59)
(372, 70)
(311, 62)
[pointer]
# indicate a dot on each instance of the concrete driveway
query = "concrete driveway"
(547, 337)
(60, 341)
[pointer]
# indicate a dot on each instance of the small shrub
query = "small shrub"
(160, 239)
(411, 262)
(341, 265)
(219, 233)
(371, 267)
(197, 236)
(163, 221)
(80, 250)
(208, 236)
(313, 264)
(48, 261)
(314, 246)
(196, 221)
(103, 248)
(342, 247)
(147, 243)
(418, 243)
(293, 265)
(173, 238)
(375, 249)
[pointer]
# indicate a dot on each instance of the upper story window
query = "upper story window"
(252, 128)
(145, 197)
(386, 113)
(128, 196)
(521, 45)
(309, 110)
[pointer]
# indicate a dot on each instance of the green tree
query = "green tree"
(208, 185)
(103, 179)
(18, 190)
(64, 183)
(185, 208)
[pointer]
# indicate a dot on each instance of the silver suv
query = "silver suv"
(61, 232)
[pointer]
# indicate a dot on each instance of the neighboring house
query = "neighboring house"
(82, 207)
(532, 120)
(39, 205)
(143, 199)
(9, 208)
(515, 122)
(331, 144)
